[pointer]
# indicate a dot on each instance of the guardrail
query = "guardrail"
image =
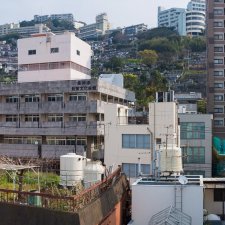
(62, 203)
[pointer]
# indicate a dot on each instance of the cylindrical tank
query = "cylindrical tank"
(71, 169)
(170, 160)
(93, 172)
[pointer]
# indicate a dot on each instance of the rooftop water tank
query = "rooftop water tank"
(170, 160)
(71, 169)
(93, 172)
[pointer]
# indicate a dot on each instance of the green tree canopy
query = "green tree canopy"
(149, 57)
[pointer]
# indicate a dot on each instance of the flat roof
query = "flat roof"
(165, 181)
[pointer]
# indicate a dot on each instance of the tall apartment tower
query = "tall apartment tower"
(216, 66)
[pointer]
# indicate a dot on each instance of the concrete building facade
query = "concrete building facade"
(127, 144)
(55, 108)
(49, 57)
(216, 70)
(196, 143)
(96, 29)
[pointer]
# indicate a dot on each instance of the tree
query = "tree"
(149, 57)
(201, 106)
(130, 81)
(114, 64)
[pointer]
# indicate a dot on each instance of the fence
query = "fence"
(62, 203)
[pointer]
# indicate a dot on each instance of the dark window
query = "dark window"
(78, 52)
(219, 195)
(32, 52)
(54, 50)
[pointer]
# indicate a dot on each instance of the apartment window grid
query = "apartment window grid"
(31, 118)
(32, 98)
(12, 99)
(192, 130)
(139, 141)
(22, 140)
(219, 49)
(218, 85)
(218, 109)
(218, 73)
(218, 98)
(218, 23)
(131, 169)
(11, 118)
(55, 98)
(78, 97)
(219, 37)
(218, 61)
(218, 11)
(55, 118)
(193, 155)
(66, 141)
(218, 122)
(77, 117)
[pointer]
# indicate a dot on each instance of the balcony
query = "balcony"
(52, 128)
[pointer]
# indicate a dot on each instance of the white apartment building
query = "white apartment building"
(174, 17)
(49, 57)
(68, 17)
(186, 22)
(24, 31)
(96, 29)
(195, 17)
(5, 29)
(127, 144)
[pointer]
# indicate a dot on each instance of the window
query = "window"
(66, 141)
(55, 118)
(22, 140)
(218, 11)
(131, 169)
(195, 155)
(219, 1)
(31, 118)
(78, 52)
(192, 130)
(194, 172)
(78, 97)
(141, 141)
(218, 85)
(218, 123)
(218, 110)
(77, 117)
(11, 118)
(218, 61)
(31, 98)
(54, 50)
(219, 195)
(219, 73)
(55, 98)
(218, 49)
(12, 99)
(218, 98)
(31, 52)
(219, 37)
(218, 23)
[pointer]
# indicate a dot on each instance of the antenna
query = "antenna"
(182, 180)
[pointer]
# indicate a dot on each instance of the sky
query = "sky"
(120, 12)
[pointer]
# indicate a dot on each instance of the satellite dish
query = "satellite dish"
(183, 180)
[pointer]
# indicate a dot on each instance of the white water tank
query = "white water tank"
(71, 169)
(170, 160)
(93, 172)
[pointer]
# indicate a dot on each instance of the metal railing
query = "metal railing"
(62, 203)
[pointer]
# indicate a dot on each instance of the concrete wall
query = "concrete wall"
(94, 213)
(147, 200)
(68, 45)
(207, 142)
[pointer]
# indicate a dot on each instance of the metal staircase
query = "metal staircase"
(170, 216)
